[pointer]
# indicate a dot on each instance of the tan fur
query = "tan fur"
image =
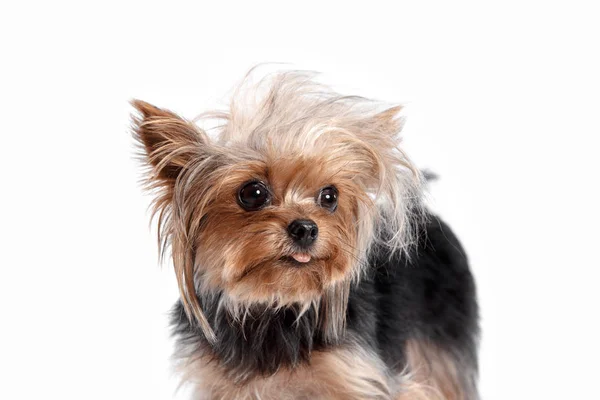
(345, 373)
(348, 372)
(297, 136)
(433, 374)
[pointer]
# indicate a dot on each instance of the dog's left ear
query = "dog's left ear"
(169, 142)
(390, 176)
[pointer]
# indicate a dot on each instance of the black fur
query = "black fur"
(260, 343)
(428, 296)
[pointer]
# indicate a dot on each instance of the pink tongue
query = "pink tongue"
(303, 258)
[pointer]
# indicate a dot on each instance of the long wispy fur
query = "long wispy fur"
(284, 115)
(252, 322)
(291, 114)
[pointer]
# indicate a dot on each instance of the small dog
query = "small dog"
(307, 264)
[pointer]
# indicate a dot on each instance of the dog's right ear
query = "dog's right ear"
(169, 142)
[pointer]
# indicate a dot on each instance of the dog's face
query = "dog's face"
(284, 205)
(279, 229)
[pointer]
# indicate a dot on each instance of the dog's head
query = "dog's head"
(282, 207)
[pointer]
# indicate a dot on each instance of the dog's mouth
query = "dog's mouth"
(301, 257)
(298, 259)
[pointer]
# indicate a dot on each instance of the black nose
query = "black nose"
(303, 231)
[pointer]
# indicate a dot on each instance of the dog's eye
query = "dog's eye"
(254, 196)
(328, 198)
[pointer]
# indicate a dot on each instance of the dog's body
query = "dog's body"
(307, 265)
(411, 333)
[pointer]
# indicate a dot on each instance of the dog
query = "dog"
(307, 263)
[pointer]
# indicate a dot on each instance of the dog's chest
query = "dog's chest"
(346, 372)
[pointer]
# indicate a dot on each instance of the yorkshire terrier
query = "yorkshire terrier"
(307, 263)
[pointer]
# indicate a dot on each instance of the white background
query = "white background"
(502, 102)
